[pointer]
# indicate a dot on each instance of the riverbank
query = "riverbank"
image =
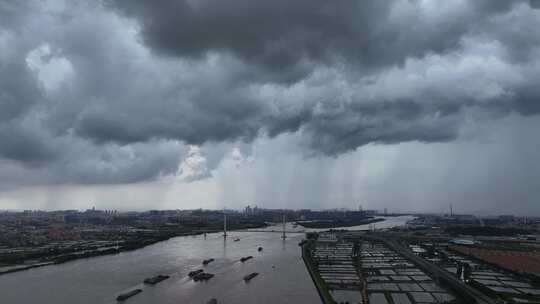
(63, 258)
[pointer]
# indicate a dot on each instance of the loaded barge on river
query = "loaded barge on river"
(128, 295)
(246, 258)
(156, 279)
(203, 276)
(194, 272)
(250, 276)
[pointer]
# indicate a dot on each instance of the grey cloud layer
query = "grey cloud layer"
(340, 74)
(354, 42)
(283, 35)
(38, 144)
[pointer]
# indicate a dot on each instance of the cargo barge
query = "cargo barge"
(246, 258)
(156, 279)
(203, 276)
(250, 276)
(194, 272)
(128, 295)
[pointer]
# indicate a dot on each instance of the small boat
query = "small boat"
(208, 261)
(236, 239)
(128, 295)
(250, 276)
(260, 249)
(156, 279)
(212, 301)
(203, 276)
(246, 258)
(194, 272)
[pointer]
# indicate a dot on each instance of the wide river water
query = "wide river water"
(282, 278)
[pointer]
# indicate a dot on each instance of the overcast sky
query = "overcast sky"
(408, 105)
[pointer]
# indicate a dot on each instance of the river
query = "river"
(283, 277)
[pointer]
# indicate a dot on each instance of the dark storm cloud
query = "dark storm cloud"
(24, 145)
(276, 37)
(18, 86)
(205, 116)
(118, 78)
(18, 89)
(11, 12)
(283, 36)
(37, 142)
(112, 164)
(340, 129)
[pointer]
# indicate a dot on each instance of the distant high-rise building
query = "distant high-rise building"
(248, 211)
